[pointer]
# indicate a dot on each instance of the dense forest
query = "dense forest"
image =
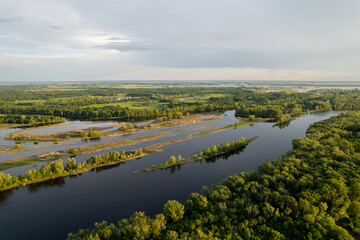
(312, 192)
(279, 104)
(99, 101)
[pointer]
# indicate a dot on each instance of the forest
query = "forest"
(312, 192)
(108, 101)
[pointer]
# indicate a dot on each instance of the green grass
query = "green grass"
(27, 160)
(18, 163)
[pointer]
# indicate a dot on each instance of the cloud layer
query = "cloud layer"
(47, 40)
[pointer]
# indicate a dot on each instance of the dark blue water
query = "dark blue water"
(51, 210)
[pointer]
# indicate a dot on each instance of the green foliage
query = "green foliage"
(280, 105)
(72, 150)
(137, 227)
(209, 152)
(94, 135)
(57, 168)
(30, 119)
(173, 210)
(126, 127)
(39, 104)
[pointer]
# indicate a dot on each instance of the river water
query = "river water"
(53, 209)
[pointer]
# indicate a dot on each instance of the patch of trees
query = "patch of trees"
(30, 119)
(58, 168)
(127, 127)
(205, 154)
(92, 135)
(279, 105)
(170, 116)
(312, 192)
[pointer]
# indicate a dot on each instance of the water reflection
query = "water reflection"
(103, 168)
(223, 156)
(282, 125)
(59, 182)
(4, 195)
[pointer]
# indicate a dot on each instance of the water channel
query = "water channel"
(51, 210)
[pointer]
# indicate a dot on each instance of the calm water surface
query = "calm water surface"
(51, 210)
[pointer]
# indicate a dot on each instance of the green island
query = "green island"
(56, 169)
(209, 152)
(312, 192)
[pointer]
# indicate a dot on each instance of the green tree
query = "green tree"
(72, 150)
(173, 210)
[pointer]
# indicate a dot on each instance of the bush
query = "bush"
(72, 150)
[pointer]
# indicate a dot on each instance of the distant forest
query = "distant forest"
(96, 101)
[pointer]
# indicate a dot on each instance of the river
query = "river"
(53, 209)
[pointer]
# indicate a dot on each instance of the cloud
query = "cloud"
(131, 46)
(52, 26)
(185, 35)
(10, 20)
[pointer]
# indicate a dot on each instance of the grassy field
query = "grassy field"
(25, 161)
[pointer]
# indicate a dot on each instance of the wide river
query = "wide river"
(51, 210)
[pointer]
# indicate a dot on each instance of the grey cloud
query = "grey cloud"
(116, 39)
(10, 20)
(277, 34)
(132, 46)
(53, 26)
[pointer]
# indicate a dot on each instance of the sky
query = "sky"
(86, 40)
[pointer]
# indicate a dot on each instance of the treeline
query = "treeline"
(110, 111)
(97, 101)
(279, 105)
(207, 153)
(30, 119)
(58, 168)
(313, 192)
